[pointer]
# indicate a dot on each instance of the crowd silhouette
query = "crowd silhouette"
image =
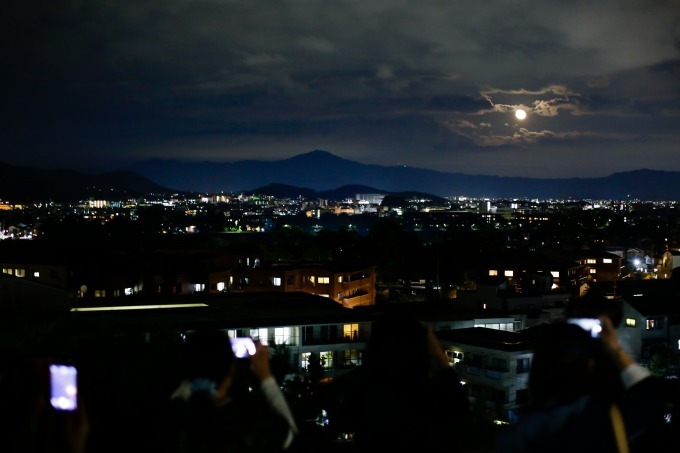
(192, 394)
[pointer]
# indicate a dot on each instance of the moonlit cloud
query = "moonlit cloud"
(552, 107)
(430, 84)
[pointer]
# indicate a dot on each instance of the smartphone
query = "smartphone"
(242, 346)
(592, 325)
(63, 387)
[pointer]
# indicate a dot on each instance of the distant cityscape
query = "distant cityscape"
(639, 228)
(262, 210)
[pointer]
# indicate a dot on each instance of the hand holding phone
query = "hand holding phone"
(591, 325)
(63, 387)
(242, 347)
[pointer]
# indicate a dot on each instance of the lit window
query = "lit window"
(304, 359)
(220, 286)
(128, 291)
(607, 260)
(7, 270)
(259, 334)
(340, 279)
(282, 335)
(508, 273)
(352, 357)
(324, 280)
(198, 287)
(654, 324)
(312, 279)
(454, 356)
(20, 272)
(326, 359)
(593, 271)
(276, 281)
(351, 331)
(555, 274)
(493, 272)
(36, 274)
(591, 261)
(99, 293)
(630, 322)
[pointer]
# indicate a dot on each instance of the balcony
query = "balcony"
(357, 300)
(468, 370)
(338, 339)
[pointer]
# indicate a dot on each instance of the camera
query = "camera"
(63, 387)
(242, 346)
(592, 325)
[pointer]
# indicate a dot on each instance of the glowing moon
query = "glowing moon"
(520, 114)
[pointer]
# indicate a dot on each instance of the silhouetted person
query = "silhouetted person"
(577, 386)
(221, 406)
(594, 304)
(405, 396)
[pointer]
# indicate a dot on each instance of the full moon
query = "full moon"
(520, 114)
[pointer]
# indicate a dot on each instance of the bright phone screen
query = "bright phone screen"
(63, 387)
(242, 347)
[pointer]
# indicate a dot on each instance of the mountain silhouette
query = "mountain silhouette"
(27, 185)
(318, 174)
(322, 171)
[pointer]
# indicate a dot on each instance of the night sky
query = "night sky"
(98, 85)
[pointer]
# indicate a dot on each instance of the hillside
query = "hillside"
(318, 174)
(323, 171)
(26, 185)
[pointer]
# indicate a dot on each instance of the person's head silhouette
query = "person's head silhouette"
(569, 363)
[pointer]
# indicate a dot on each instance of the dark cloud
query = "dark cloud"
(431, 84)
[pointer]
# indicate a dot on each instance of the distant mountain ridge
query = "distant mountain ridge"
(28, 185)
(318, 174)
(322, 171)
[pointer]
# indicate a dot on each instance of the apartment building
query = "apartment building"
(670, 260)
(19, 295)
(519, 273)
(651, 317)
(115, 274)
(349, 285)
(307, 326)
(494, 366)
(529, 272)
